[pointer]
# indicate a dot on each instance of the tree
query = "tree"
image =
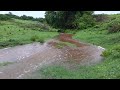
(85, 21)
(68, 19)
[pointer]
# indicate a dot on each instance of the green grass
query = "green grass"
(12, 34)
(108, 69)
(99, 71)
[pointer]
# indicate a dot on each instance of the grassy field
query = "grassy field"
(19, 32)
(108, 69)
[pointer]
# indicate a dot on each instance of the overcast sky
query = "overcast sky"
(37, 14)
(34, 14)
(107, 12)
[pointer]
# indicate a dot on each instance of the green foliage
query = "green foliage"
(69, 19)
(106, 53)
(4, 17)
(114, 52)
(41, 40)
(114, 26)
(61, 30)
(34, 38)
(85, 21)
(101, 17)
(9, 43)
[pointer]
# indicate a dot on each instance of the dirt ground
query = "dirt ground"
(82, 54)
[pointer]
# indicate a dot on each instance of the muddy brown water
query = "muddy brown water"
(38, 57)
(29, 57)
(12, 54)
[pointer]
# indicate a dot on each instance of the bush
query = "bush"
(61, 31)
(97, 26)
(85, 21)
(11, 40)
(114, 27)
(34, 38)
(41, 40)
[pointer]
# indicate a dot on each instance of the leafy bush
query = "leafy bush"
(34, 38)
(97, 26)
(41, 40)
(61, 31)
(11, 40)
(114, 26)
(86, 21)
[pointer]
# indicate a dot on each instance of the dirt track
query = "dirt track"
(46, 54)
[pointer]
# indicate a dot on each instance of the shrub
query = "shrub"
(61, 31)
(11, 40)
(97, 26)
(114, 26)
(34, 38)
(85, 21)
(41, 40)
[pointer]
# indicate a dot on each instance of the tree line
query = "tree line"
(23, 17)
(70, 19)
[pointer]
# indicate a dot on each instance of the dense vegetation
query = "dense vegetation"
(70, 19)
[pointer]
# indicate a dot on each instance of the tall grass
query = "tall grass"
(12, 34)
